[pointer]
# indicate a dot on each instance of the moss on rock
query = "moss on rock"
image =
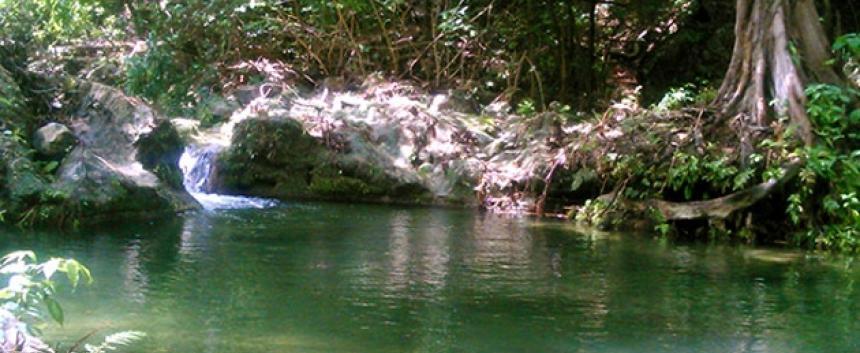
(269, 157)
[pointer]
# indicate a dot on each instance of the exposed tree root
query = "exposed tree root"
(717, 208)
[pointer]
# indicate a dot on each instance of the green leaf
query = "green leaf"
(75, 271)
(854, 118)
(72, 270)
(50, 167)
(18, 256)
(581, 177)
(54, 309)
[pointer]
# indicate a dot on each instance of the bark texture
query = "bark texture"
(780, 48)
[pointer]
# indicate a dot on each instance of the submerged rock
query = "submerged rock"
(54, 140)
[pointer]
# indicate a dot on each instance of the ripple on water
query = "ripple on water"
(346, 278)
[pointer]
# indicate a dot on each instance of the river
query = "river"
(361, 278)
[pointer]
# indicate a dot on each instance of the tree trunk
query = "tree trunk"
(780, 48)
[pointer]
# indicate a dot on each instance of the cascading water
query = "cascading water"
(197, 163)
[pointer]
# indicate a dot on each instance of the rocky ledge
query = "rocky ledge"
(379, 142)
(110, 156)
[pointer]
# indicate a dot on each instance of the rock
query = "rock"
(186, 127)
(247, 93)
(388, 144)
(216, 110)
(16, 337)
(54, 140)
(269, 158)
(20, 181)
(125, 164)
(127, 161)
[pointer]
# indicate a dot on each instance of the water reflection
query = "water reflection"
(340, 278)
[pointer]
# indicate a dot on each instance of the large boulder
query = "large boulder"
(123, 159)
(382, 143)
(54, 140)
(127, 159)
(269, 157)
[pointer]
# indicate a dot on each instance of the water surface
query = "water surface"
(358, 278)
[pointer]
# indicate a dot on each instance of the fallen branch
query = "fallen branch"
(718, 208)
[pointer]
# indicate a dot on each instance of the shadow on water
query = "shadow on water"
(350, 278)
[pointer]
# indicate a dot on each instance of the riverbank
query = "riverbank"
(391, 142)
(677, 168)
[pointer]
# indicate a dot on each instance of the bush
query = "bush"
(827, 202)
(29, 293)
(30, 290)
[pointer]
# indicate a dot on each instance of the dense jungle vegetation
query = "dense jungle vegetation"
(720, 120)
(740, 119)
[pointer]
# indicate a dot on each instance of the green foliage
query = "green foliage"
(826, 202)
(156, 75)
(190, 43)
(526, 108)
(677, 98)
(684, 96)
(29, 293)
(593, 212)
(49, 21)
(662, 227)
(847, 46)
(485, 48)
(693, 176)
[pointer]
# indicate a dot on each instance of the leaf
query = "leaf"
(581, 177)
(54, 309)
(854, 118)
(18, 256)
(50, 167)
(50, 267)
(74, 271)
(72, 268)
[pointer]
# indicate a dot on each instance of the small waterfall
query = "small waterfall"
(197, 163)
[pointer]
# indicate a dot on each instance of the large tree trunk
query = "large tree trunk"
(780, 47)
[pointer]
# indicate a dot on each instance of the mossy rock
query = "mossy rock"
(269, 157)
(277, 158)
(332, 183)
(159, 152)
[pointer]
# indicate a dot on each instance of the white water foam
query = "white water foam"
(196, 164)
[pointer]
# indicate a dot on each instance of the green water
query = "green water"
(342, 278)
